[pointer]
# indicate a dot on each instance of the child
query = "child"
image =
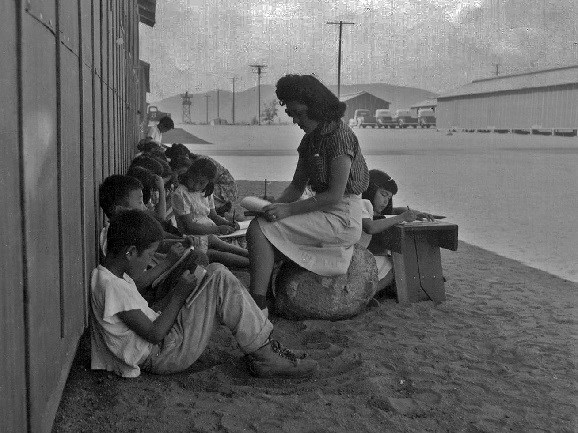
(377, 201)
(127, 335)
(118, 193)
(195, 214)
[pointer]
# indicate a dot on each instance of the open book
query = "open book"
(162, 277)
(243, 225)
(254, 205)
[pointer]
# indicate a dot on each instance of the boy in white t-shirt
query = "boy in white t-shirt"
(127, 335)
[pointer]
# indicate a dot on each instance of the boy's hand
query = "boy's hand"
(225, 230)
(186, 284)
(193, 241)
(235, 225)
(175, 252)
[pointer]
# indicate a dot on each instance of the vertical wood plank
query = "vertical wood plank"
(12, 321)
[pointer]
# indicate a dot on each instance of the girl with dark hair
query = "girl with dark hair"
(377, 203)
(194, 209)
(317, 233)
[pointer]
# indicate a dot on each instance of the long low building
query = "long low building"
(546, 99)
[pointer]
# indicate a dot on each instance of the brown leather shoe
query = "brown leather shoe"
(273, 360)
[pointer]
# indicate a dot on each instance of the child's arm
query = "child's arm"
(372, 226)
(220, 221)
(420, 214)
(161, 207)
(148, 276)
(154, 332)
(187, 225)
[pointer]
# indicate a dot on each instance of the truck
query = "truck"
(384, 119)
(426, 118)
(405, 118)
(362, 118)
(154, 114)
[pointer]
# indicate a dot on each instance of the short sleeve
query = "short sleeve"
(341, 142)
(121, 296)
(367, 209)
(179, 204)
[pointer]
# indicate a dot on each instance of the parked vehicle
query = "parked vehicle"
(404, 118)
(363, 118)
(426, 118)
(384, 119)
(155, 114)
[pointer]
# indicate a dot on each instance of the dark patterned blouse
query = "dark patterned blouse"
(319, 148)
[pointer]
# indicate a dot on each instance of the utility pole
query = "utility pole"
(340, 23)
(218, 111)
(497, 65)
(259, 69)
(207, 106)
(233, 107)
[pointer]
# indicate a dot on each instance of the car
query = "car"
(404, 118)
(363, 118)
(426, 118)
(154, 114)
(384, 119)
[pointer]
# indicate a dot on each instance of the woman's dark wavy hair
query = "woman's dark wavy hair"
(203, 167)
(322, 104)
(380, 179)
(132, 228)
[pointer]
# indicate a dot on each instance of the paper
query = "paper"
(166, 273)
(243, 225)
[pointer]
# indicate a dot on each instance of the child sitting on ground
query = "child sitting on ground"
(127, 335)
(195, 214)
(118, 193)
(377, 202)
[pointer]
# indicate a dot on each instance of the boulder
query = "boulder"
(301, 294)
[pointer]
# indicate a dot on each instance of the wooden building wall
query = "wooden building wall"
(553, 107)
(69, 88)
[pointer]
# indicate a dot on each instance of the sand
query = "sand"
(499, 355)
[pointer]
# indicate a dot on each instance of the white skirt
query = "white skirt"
(321, 241)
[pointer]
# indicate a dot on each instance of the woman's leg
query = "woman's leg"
(261, 262)
(228, 259)
(219, 244)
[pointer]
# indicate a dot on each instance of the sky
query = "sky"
(437, 45)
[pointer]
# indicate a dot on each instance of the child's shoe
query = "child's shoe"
(273, 360)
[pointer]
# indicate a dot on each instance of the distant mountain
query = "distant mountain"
(246, 101)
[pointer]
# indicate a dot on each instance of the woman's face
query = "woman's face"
(381, 200)
(197, 183)
(298, 112)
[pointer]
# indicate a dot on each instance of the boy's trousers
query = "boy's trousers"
(222, 299)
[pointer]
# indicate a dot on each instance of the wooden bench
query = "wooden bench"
(415, 248)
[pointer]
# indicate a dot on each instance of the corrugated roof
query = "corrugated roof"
(426, 103)
(147, 11)
(527, 80)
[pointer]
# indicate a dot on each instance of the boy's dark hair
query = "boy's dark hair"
(114, 191)
(380, 179)
(150, 163)
(132, 228)
(322, 104)
(146, 177)
(203, 167)
(178, 150)
(180, 163)
(166, 122)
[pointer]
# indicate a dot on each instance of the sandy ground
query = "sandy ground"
(499, 355)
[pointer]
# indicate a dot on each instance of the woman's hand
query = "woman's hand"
(175, 252)
(225, 230)
(277, 211)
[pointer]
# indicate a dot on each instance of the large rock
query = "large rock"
(301, 294)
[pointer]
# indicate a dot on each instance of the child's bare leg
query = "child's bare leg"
(218, 244)
(262, 260)
(228, 259)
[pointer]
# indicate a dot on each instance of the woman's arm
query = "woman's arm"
(340, 167)
(154, 332)
(294, 191)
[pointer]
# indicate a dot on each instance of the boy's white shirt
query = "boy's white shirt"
(115, 347)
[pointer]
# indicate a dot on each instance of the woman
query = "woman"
(317, 233)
